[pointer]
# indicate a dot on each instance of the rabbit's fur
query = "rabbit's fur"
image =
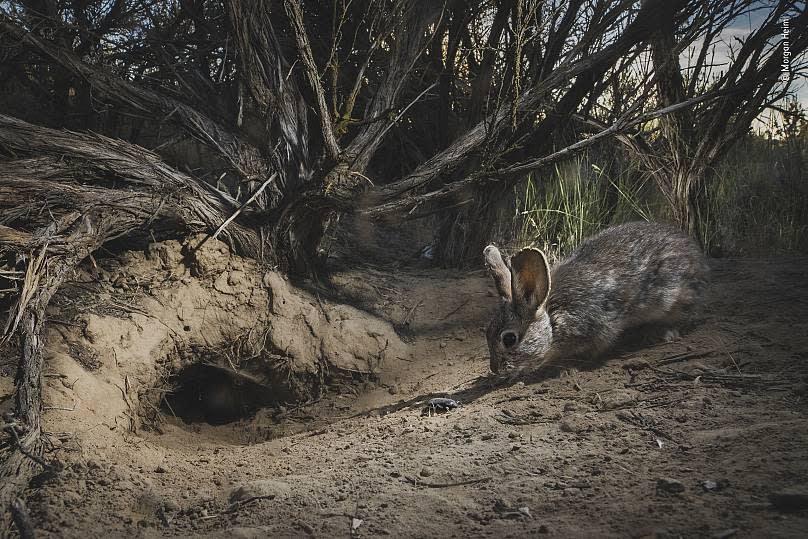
(636, 274)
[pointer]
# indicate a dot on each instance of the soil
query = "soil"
(706, 436)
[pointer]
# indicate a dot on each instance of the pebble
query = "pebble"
(709, 485)
(574, 424)
(262, 487)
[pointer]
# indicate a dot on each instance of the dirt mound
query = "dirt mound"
(219, 335)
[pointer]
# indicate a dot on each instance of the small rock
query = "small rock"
(160, 469)
(709, 485)
(425, 472)
(544, 529)
(574, 423)
(263, 487)
(393, 389)
(236, 278)
(670, 485)
(789, 500)
(222, 285)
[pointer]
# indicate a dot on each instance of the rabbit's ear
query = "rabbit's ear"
(498, 271)
(530, 282)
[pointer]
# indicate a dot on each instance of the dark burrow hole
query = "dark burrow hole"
(209, 394)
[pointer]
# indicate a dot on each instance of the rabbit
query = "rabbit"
(631, 275)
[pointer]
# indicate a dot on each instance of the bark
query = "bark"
(295, 12)
(24, 456)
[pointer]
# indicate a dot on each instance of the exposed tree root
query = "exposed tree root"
(62, 196)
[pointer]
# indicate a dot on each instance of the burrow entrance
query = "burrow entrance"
(214, 395)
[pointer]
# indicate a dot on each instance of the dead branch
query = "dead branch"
(244, 158)
(515, 172)
(295, 13)
(108, 165)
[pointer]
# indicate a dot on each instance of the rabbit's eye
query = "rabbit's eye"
(509, 338)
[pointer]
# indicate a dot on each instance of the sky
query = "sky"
(740, 29)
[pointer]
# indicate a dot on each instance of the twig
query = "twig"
(453, 311)
(239, 210)
(418, 483)
(63, 408)
(405, 109)
(408, 317)
(322, 307)
(683, 357)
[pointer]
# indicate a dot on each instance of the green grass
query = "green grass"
(755, 204)
(556, 212)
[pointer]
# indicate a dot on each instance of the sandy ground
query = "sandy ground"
(703, 437)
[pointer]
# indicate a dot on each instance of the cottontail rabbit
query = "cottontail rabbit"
(636, 274)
